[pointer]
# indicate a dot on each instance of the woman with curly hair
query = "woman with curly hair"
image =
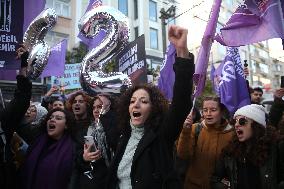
(144, 155)
(255, 157)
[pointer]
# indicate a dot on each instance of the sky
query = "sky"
(195, 32)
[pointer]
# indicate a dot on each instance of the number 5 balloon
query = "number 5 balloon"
(92, 76)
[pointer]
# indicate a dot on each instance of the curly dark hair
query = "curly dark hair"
(257, 148)
(85, 96)
(159, 107)
(70, 120)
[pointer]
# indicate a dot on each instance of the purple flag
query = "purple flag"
(213, 78)
(167, 75)
(93, 3)
(253, 22)
(92, 42)
(232, 83)
(56, 60)
(32, 9)
(199, 76)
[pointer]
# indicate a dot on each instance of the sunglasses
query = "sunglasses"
(242, 121)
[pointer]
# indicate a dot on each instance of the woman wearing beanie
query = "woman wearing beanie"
(202, 143)
(255, 157)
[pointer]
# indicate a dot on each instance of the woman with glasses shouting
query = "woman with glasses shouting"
(255, 157)
(202, 143)
(50, 156)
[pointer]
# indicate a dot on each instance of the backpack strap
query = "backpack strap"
(197, 130)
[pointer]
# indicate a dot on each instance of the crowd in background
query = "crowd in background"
(139, 140)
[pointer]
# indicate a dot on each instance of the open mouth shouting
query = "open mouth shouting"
(139, 107)
(239, 132)
(51, 127)
(136, 114)
(136, 118)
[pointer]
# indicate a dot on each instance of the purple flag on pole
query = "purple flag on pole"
(56, 60)
(199, 76)
(232, 83)
(253, 22)
(92, 42)
(167, 74)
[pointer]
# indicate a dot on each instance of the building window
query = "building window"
(264, 68)
(136, 32)
(153, 38)
(135, 9)
(123, 6)
(253, 66)
(53, 38)
(152, 10)
(61, 7)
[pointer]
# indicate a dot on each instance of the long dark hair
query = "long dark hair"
(69, 117)
(257, 148)
(158, 109)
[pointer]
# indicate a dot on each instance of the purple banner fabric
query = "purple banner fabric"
(92, 42)
(15, 17)
(93, 3)
(56, 60)
(11, 33)
(213, 77)
(32, 9)
(9, 75)
(199, 76)
(167, 75)
(253, 22)
(231, 81)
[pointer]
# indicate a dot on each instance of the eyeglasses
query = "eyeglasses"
(242, 121)
(56, 117)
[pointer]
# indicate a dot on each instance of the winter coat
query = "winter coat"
(202, 151)
(275, 114)
(9, 119)
(152, 164)
(271, 173)
(79, 180)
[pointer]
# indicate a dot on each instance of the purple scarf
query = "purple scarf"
(48, 164)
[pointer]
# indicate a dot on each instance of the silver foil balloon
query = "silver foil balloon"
(39, 27)
(37, 60)
(33, 41)
(92, 76)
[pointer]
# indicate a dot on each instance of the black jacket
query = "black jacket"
(275, 113)
(152, 165)
(10, 118)
(271, 173)
(79, 180)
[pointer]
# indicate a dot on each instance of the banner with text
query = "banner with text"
(132, 62)
(11, 32)
(70, 80)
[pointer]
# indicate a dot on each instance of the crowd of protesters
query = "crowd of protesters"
(140, 140)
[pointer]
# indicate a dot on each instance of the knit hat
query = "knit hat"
(254, 111)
